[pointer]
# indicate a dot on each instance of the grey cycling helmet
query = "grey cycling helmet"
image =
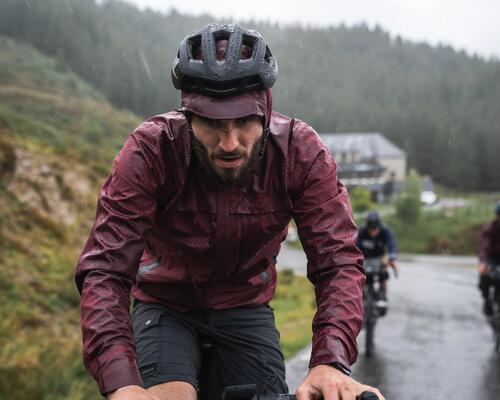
(224, 60)
(373, 220)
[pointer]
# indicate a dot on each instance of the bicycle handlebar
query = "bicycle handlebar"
(368, 396)
(363, 396)
(249, 392)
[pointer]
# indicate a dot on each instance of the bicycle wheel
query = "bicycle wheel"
(369, 339)
(369, 324)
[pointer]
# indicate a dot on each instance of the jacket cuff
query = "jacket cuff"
(118, 373)
(342, 368)
(329, 350)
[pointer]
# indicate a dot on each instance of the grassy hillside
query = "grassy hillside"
(43, 104)
(57, 139)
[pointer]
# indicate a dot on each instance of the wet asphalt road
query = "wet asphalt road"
(434, 343)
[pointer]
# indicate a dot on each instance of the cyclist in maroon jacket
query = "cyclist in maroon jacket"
(190, 223)
(489, 254)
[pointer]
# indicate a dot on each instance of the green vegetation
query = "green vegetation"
(360, 199)
(294, 306)
(447, 231)
(408, 205)
(48, 109)
(57, 139)
(40, 344)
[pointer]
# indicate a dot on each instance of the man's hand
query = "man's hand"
(132, 392)
(324, 381)
(394, 265)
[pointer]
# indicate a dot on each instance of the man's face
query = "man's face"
(374, 232)
(227, 144)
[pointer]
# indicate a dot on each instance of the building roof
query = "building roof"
(366, 144)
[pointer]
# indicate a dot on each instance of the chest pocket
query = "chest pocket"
(260, 222)
(191, 217)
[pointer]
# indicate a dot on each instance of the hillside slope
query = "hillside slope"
(57, 139)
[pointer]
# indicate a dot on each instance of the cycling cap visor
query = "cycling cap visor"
(249, 103)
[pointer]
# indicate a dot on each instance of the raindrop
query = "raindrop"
(69, 6)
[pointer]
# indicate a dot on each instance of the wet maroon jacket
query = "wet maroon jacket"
(165, 230)
(489, 245)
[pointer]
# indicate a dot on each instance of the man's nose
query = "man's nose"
(229, 141)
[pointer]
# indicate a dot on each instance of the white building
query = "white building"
(367, 159)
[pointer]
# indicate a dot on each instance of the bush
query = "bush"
(408, 205)
(360, 199)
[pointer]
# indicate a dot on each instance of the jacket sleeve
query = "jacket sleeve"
(109, 261)
(360, 237)
(391, 244)
(323, 215)
(484, 243)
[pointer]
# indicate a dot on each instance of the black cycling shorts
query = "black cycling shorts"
(243, 348)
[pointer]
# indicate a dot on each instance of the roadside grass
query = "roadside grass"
(454, 231)
(294, 306)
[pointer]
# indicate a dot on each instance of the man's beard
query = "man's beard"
(227, 176)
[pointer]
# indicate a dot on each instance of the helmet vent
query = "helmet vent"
(268, 54)
(247, 47)
(194, 49)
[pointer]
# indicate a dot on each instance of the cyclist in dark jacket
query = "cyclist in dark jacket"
(489, 254)
(376, 239)
(190, 222)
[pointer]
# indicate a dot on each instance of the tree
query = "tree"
(408, 204)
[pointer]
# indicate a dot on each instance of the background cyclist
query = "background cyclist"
(489, 254)
(376, 239)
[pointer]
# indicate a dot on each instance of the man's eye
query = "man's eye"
(244, 120)
(209, 121)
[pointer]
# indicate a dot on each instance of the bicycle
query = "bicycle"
(494, 320)
(251, 392)
(372, 311)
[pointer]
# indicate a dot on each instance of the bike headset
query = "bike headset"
(224, 60)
